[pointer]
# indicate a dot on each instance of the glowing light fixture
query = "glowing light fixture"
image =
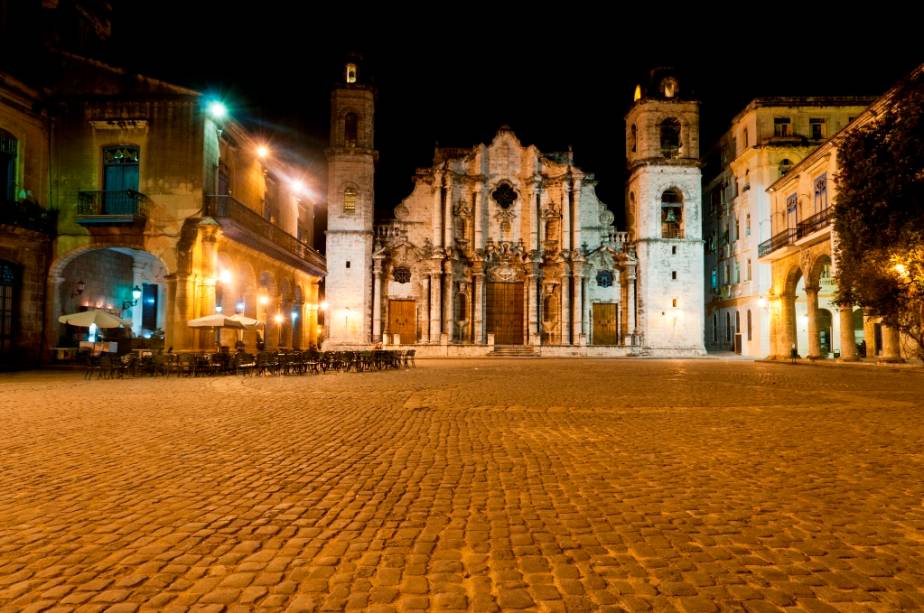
(264, 299)
(217, 109)
(324, 305)
(900, 269)
(278, 318)
(263, 152)
(219, 309)
(224, 276)
(294, 315)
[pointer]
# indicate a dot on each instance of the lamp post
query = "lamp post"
(278, 319)
(218, 111)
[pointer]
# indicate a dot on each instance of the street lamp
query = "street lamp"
(136, 295)
(278, 319)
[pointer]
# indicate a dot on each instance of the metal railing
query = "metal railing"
(29, 215)
(790, 235)
(226, 207)
(111, 206)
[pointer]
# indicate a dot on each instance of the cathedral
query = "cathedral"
(504, 249)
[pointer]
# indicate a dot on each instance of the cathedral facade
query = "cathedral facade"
(502, 248)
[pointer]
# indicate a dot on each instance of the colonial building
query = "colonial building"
(764, 142)
(165, 213)
(800, 252)
(501, 244)
(27, 225)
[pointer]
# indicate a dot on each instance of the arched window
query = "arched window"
(8, 151)
(670, 137)
(349, 201)
(744, 138)
(351, 73)
(715, 328)
(737, 322)
(727, 327)
(634, 138)
(350, 129)
(785, 166)
(672, 214)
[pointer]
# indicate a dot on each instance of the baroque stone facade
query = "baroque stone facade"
(501, 244)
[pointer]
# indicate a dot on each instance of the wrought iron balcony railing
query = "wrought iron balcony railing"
(29, 215)
(245, 225)
(101, 207)
(789, 236)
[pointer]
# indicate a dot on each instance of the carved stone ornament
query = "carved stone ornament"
(504, 272)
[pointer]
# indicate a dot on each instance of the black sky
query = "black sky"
(557, 78)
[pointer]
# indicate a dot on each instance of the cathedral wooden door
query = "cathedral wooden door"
(604, 315)
(505, 312)
(402, 320)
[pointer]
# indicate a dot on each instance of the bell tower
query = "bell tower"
(664, 215)
(351, 161)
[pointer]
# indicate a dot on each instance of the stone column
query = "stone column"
(532, 283)
(565, 304)
(437, 209)
(534, 217)
(774, 310)
(577, 302)
(478, 291)
(891, 344)
(447, 214)
(811, 300)
(576, 214)
(848, 345)
(632, 307)
(435, 315)
(565, 218)
(377, 300)
(477, 215)
(787, 324)
(448, 302)
(869, 333)
(424, 309)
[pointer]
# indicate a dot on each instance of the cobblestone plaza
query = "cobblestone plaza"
(481, 485)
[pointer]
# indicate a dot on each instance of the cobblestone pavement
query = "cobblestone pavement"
(552, 485)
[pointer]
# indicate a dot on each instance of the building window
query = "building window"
(737, 272)
(737, 228)
(715, 328)
(401, 274)
(674, 275)
(715, 279)
(747, 225)
(782, 126)
(816, 128)
(792, 211)
(9, 148)
(670, 137)
(605, 278)
(821, 192)
(749, 269)
(674, 250)
(747, 181)
(271, 200)
(672, 214)
(728, 328)
(351, 73)
(634, 138)
(669, 87)
(349, 201)
(350, 129)
(749, 324)
(9, 282)
(674, 302)
(785, 167)
(744, 138)
(737, 322)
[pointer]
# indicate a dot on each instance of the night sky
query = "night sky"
(554, 79)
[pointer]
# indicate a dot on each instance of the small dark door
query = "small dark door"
(505, 312)
(9, 287)
(402, 320)
(604, 314)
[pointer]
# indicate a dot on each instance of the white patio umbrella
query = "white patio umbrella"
(216, 321)
(102, 319)
(247, 322)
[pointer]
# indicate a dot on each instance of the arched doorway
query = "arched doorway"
(129, 283)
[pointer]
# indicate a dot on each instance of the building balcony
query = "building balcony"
(791, 236)
(249, 228)
(107, 207)
(30, 216)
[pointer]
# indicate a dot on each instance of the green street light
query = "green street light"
(217, 109)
